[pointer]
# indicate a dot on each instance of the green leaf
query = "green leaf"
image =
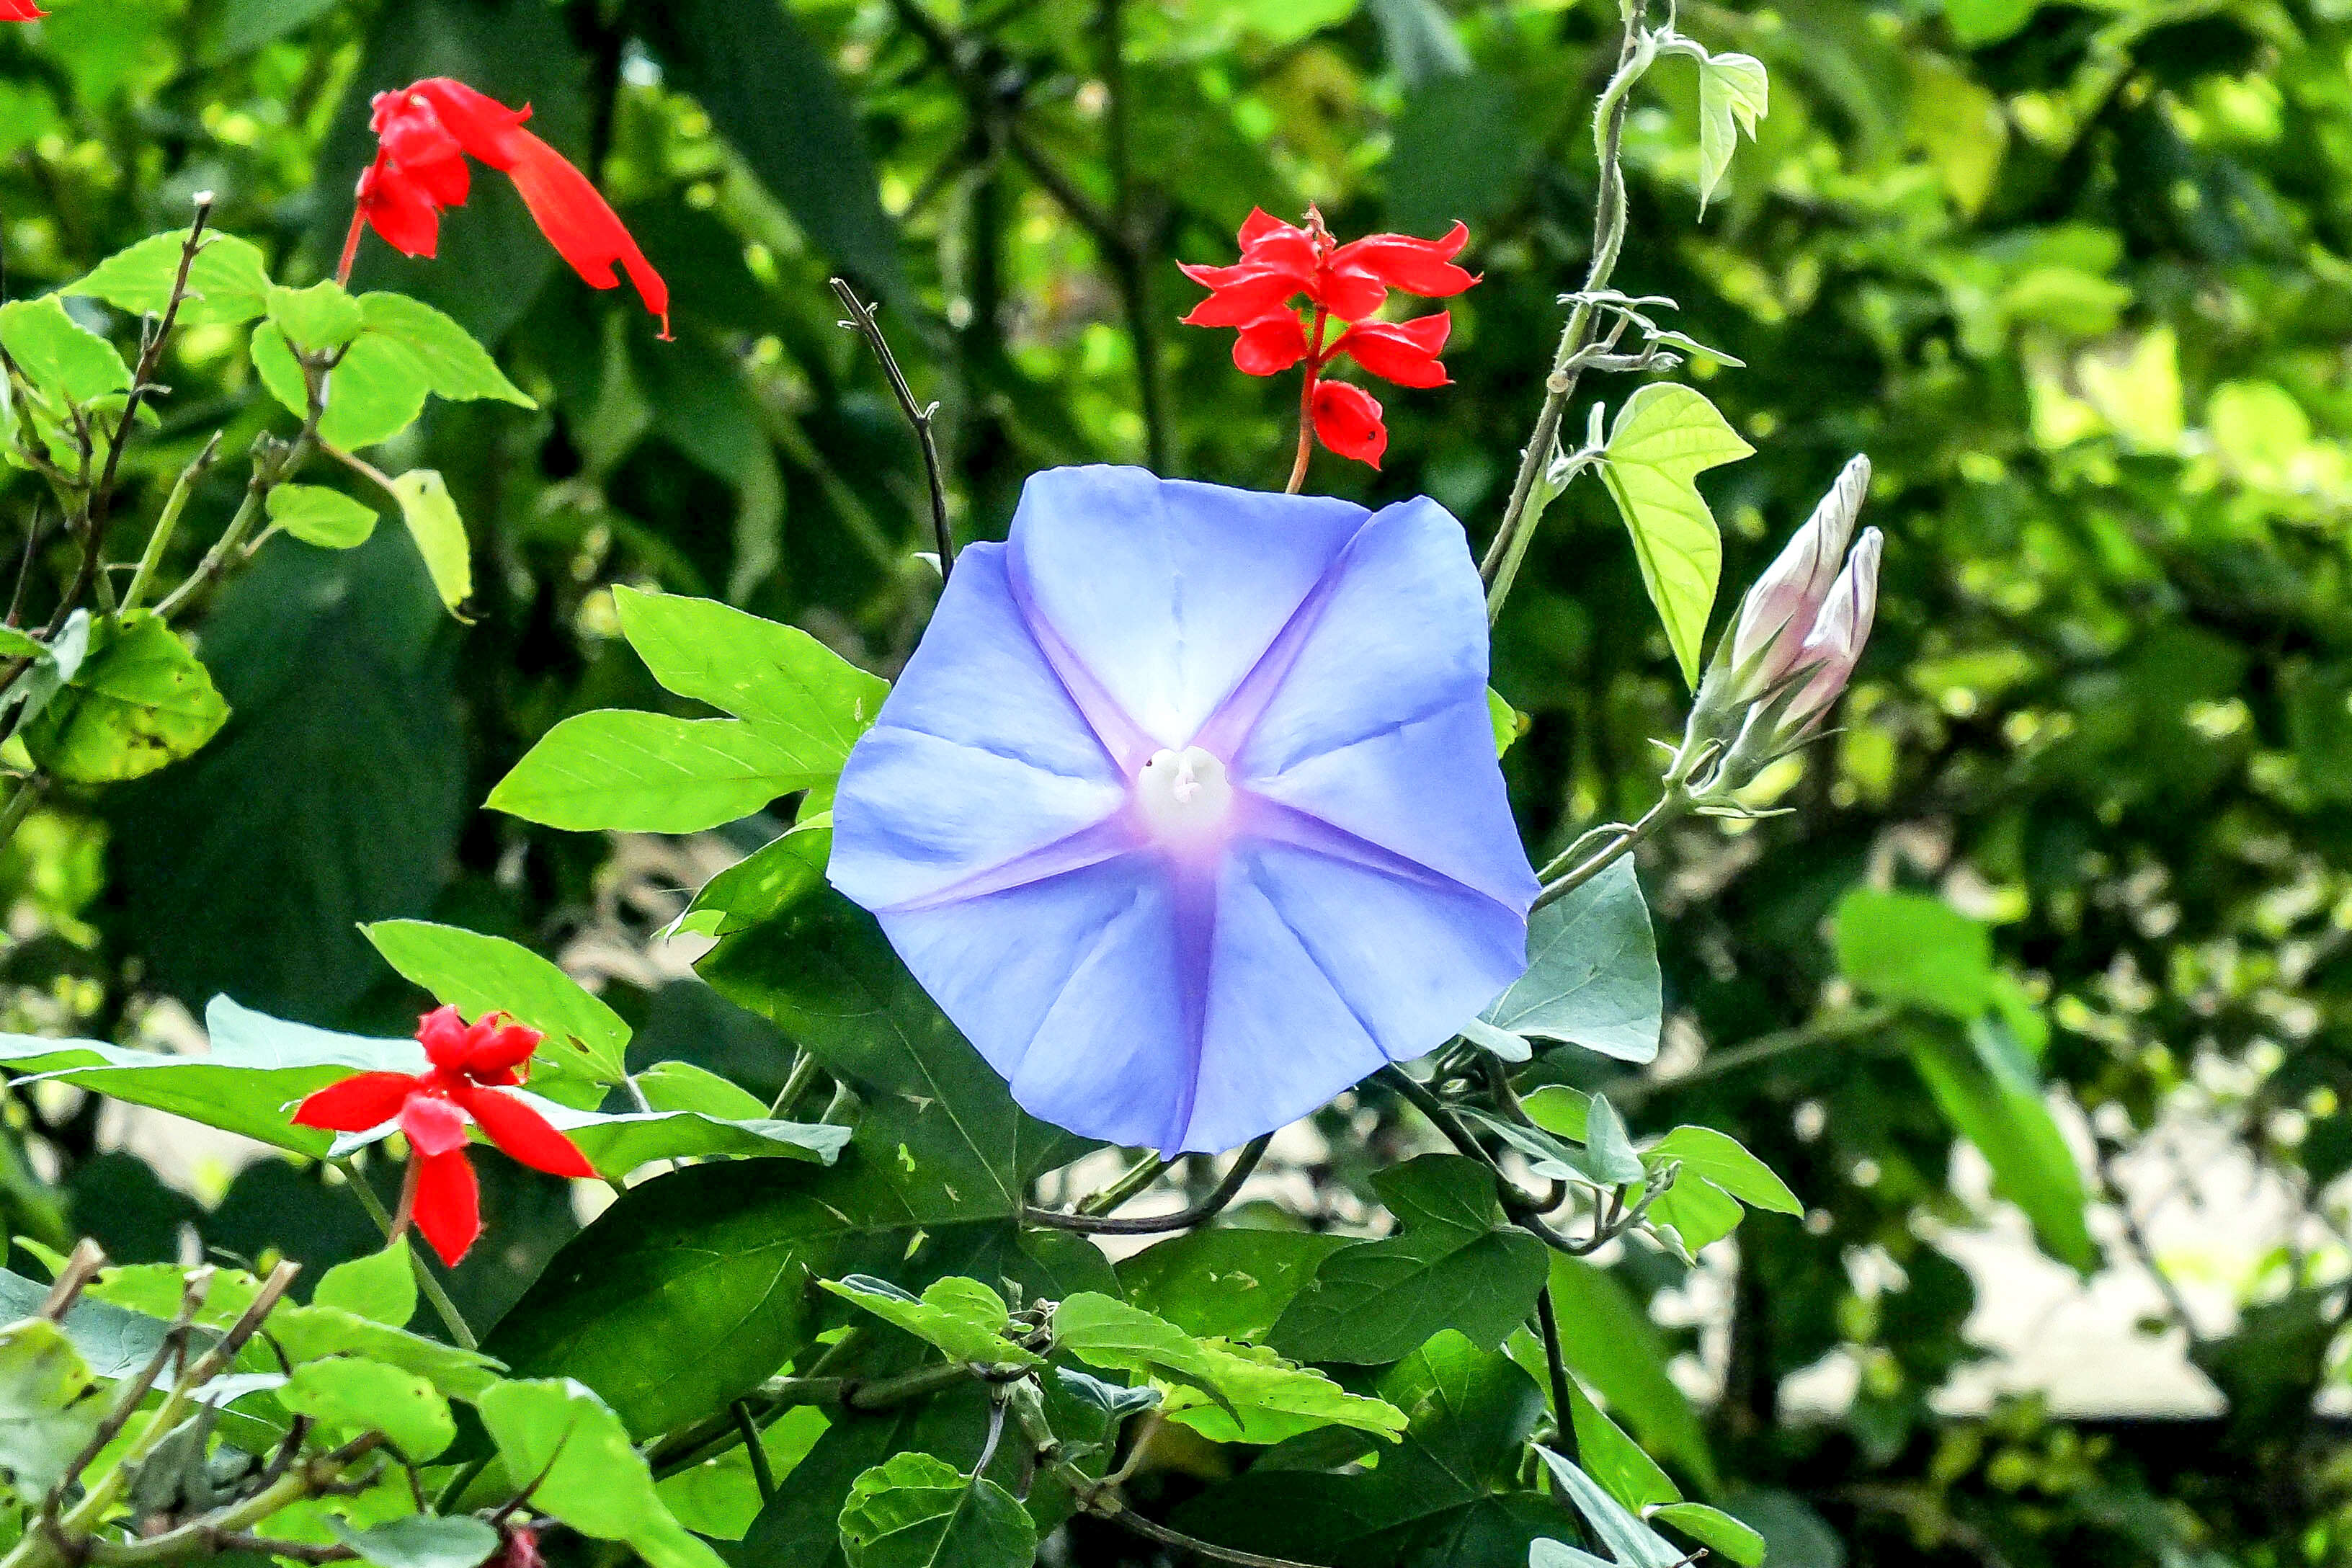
(1560, 1554)
(244, 26)
(682, 1086)
(1608, 1150)
(1232, 1283)
(375, 392)
(314, 1332)
(764, 883)
(1665, 436)
(440, 533)
(65, 361)
(791, 687)
(1611, 1345)
(1718, 1157)
(1449, 1493)
(1614, 1459)
(1246, 1394)
(1556, 1108)
(455, 365)
(719, 1497)
(937, 1118)
(316, 515)
(49, 1405)
(1508, 721)
(648, 772)
(139, 701)
(114, 1342)
(1910, 947)
(380, 1287)
(1592, 972)
(1975, 23)
(1699, 1212)
(962, 1316)
(1456, 1263)
(227, 283)
(258, 1067)
(591, 1477)
(1990, 1094)
(420, 1541)
(1716, 1529)
(1631, 1542)
(481, 974)
(1502, 1043)
(349, 1397)
(317, 319)
(1733, 93)
(914, 1511)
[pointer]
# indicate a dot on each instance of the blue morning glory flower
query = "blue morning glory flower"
(1186, 811)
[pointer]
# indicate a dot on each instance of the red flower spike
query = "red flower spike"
(20, 11)
(426, 131)
(1348, 420)
(470, 1063)
(1283, 265)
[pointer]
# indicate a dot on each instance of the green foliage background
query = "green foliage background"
(2075, 277)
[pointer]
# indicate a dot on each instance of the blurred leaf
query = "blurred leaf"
(1909, 947)
(440, 532)
(1716, 1529)
(349, 1397)
(1592, 972)
(381, 1287)
(1665, 437)
(49, 1405)
(1978, 22)
(316, 515)
(227, 283)
(1456, 1263)
(1420, 39)
(770, 91)
(591, 1479)
(1615, 1460)
(57, 355)
(1614, 1347)
(315, 320)
(140, 701)
(1460, 152)
(420, 1541)
(916, 1511)
(1993, 1100)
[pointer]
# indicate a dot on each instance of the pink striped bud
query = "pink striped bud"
(1840, 631)
(1778, 617)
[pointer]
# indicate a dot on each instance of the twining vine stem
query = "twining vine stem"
(1207, 1209)
(1512, 536)
(862, 321)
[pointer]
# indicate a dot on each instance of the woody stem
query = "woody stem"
(1307, 406)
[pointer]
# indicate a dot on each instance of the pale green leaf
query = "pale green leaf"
(455, 365)
(49, 1405)
(632, 772)
(589, 1476)
(316, 319)
(963, 1317)
(1666, 436)
(316, 515)
(349, 1397)
(479, 975)
(380, 1287)
(227, 283)
(440, 533)
(1733, 93)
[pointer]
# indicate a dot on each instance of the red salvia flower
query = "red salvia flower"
(1282, 264)
(426, 131)
(470, 1064)
(20, 11)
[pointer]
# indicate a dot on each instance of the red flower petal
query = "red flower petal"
(433, 1125)
(1248, 295)
(1402, 351)
(524, 1133)
(449, 1207)
(1347, 421)
(500, 1046)
(480, 124)
(356, 1104)
(1261, 223)
(1347, 293)
(1271, 344)
(20, 11)
(1422, 267)
(442, 1032)
(580, 225)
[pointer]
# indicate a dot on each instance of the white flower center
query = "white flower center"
(1183, 795)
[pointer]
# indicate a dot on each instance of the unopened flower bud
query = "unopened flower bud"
(1840, 631)
(1778, 616)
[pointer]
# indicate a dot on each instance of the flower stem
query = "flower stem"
(1207, 1209)
(394, 1230)
(1516, 529)
(1307, 405)
(1565, 875)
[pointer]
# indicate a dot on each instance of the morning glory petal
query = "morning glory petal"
(1167, 593)
(1187, 811)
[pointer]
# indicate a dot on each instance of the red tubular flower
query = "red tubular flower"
(470, 1063)
(20, 11)
(426, 131)
(1283, 263)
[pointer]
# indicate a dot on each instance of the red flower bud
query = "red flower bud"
(1348, 420)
